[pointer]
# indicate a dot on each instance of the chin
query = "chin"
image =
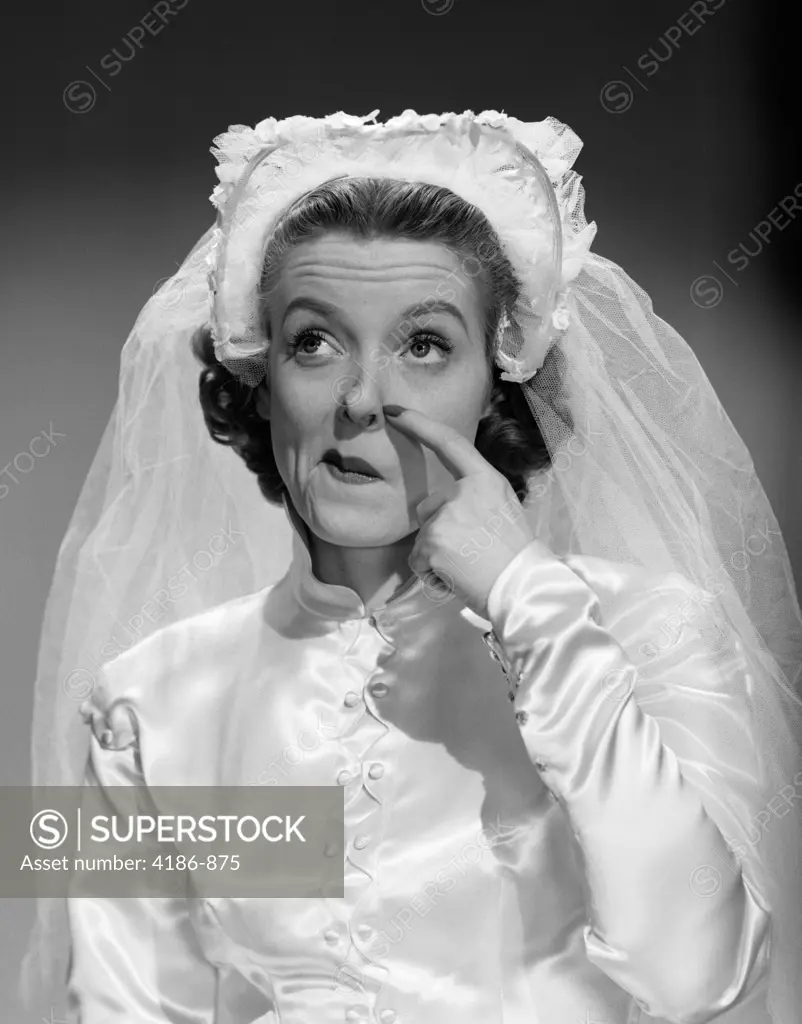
(364, 520)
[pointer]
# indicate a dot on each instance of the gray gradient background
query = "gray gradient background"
(100, 206)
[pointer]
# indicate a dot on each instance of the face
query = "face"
(354, 326)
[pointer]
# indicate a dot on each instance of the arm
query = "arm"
(134, 960)
(673, 920)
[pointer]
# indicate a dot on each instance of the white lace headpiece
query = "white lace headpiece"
(519, 175)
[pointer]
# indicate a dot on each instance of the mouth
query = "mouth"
(350, 464)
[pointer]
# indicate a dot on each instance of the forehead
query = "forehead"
(390, 271)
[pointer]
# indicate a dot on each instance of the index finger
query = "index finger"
(455, 451)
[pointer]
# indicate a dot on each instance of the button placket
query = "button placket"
(364, 805)
(364, 820)
(352, 771)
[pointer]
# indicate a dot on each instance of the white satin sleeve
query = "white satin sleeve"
(134, 960)
(672, 918)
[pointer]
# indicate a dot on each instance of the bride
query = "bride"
(488, 554)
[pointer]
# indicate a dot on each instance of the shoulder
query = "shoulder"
(158, 669)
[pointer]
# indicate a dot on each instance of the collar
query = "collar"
(333, 601)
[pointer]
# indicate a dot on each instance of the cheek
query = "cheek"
(460, 408)
(296, 408)
(295, 428)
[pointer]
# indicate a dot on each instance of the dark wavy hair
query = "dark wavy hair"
(369, 208)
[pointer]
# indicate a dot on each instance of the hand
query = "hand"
(469, 538)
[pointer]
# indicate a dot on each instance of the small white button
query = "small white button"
(331, 936)
(351, 699)
(343, 777)
(521, 717)
(387, 1016)
(364, 931)
(378, 690)
(541, 765)
(356, 1013)
(376, 770)
(361, 842)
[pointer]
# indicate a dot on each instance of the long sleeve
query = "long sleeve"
(674, 920)
(134, 960)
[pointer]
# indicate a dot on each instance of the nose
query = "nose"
(360, 396)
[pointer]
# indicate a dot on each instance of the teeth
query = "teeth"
(345, 469)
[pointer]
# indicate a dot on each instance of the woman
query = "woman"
(484, 447)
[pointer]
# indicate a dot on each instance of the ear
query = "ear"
(263, 400)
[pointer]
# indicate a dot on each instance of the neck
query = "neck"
(377, 574)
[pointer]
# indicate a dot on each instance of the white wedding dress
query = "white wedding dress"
(535, 833)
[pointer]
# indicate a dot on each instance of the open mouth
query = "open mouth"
(349, 465)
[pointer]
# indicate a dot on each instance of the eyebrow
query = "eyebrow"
(441, 306)
(315, 305)
(413, 312)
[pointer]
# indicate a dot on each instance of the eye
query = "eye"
(429, 340)
(307, 335)
(307, 342)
